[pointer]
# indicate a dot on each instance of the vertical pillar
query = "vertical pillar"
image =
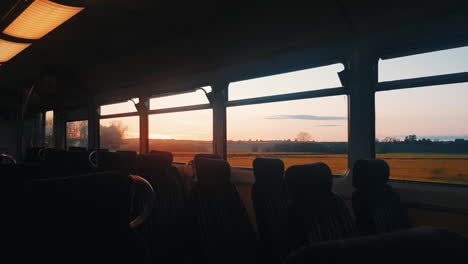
(143, 108)
(20, 126)
(60, 129)
(38, 133)
(93, 125)
(43, 129)
(218, 102)
(361, 82)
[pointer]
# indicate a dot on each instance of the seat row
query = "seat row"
(301, 198)
(208, 222)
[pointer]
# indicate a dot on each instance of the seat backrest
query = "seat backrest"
(79, 216)
(206, 156)
(224, 230)
(376, 205)
(158, 170)
(32, 155)
(122, 161)
(79, 149)
(165, 156)
(315, 212)
(166, 229)
(59, 163)
(270, 201)
(418, 245)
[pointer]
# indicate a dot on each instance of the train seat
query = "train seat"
(83, 217)
(33, 155)
(417, 245)
(316, 213)
(376, 205)
(270, 201)
(121, 161)
(192, 172)
(224, 233)
(165, 230)
(77, 149)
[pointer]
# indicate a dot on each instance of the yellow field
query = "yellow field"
(413, 167)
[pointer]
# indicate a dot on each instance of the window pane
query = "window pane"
(126, 107)
(77, 134)
(298, 132)
(49, 130)
(183, 133)
(423, 65)
(423, 133)
(298, 81)
(178, 100)
(120, 133)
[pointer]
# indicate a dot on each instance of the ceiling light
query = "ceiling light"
(38, 19)
(9, 49)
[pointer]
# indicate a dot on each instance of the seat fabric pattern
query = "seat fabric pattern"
(418, 245)
(223, 230)
(270, 201)
(315, 212)
(376, 205)
(81, 219)
(166, 229)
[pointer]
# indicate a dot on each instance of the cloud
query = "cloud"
(306, 117)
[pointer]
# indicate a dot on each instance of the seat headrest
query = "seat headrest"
(206, 156)
(127, 153)
(116, 160)
(33, 154)
(99, 150)
(370, 173)
(77, 149)
(309, 179)
(213, 171)
(268, 170)
(153, 160)
(77, 160)
(51, 155)
(163, 155)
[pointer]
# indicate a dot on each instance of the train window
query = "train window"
(77, 134)
(120, 133)
(182, 133)
(119, 108)
(423, 65)
(422, 133)
(298, 132)
(298, 81)
(178, 100)
(49, 129)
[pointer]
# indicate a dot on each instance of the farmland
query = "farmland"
(413, 167)
(447, 168)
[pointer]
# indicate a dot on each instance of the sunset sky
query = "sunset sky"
(434, 112)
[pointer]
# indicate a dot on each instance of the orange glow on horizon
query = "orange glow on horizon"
(40, 18)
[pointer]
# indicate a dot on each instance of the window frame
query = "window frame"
(421, 82)
(66, 132)
(319, 93)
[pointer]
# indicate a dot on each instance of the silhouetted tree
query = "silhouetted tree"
(113, 135)
(303, 137)
(411, 138)
(391, 140)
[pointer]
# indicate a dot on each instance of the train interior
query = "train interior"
(234, 132)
